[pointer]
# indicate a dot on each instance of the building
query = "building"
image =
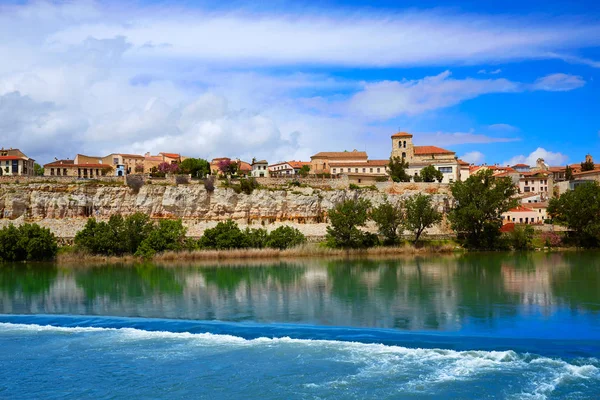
(536, 182)
(523, 215)
(366, 172)
(419, 157)
(13, 162)
(244, 168)
(74, 169)
(521, 167)
(151, 161)
(320, 162)
(215, 164)
(260, 169)
(287, 168)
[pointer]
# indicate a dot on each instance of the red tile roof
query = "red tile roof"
(131, 155)
(520, 165)
(461, 162)
(521, 209)
(298, 164)
(402, 135)
(419, 150)
(171, 155)
(12, 158)
(60, 163)
(592, 172)
(244, 166)
(341, 155)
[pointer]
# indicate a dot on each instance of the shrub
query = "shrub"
(354, 186)
(285, 237)
(168, 235)
(28, 242)
(248, 185)
(100, 237)
(135, 182)
(521, 238)
(551, 239)
(226, 235)
(182, 180)
(420, 215)
(256, 238)
(381, 179)
(209, 184)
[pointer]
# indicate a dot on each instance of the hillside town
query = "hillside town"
(535, 184)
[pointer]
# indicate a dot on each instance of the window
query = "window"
(371, 170)
(378, 169)
(364, 170)
(334, 170)
(51, 171)
(445, 170)
(356, 170)
(527, 189)
(400, 144)
(403, 155)
(527, 182)
(405, 144)
(64, 171)
(451, 180)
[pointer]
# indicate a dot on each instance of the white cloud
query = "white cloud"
(386, 99)
(558, 83)
(473, 157)
(551, 158)
(503, 128)
(89, 77)
(492, 72)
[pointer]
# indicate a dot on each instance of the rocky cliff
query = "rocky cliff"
(65, 207)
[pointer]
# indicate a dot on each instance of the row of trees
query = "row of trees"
(137, 234)
(414, 214)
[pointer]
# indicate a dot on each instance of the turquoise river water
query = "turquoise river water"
(478, 326)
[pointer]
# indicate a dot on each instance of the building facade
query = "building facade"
(70, 168)
(320, 163)
(13, 162)
(260, 169)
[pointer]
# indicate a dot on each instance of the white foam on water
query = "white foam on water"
(377, 361)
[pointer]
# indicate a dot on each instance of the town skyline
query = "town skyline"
(100, 77)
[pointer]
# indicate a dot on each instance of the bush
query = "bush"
(209, 184)
(521, 238)
(168, 235)
(256, 238)
(182, 180)
(248, 185)
(135, 182)
(28, 242)
(285, 237)
(551, 239)
(226, 235)
(354, 186)
(388, 218)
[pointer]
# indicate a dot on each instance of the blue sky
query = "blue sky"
(283, 80)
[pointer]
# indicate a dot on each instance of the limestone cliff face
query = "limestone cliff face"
(192, 203)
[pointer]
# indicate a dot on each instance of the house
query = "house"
(260, 169)
(366, 172)
(464, 169)
(533, 198)
(521, 167)
(419, 157)
(151, 161)
(244, 168)
(523, 215)
(287, 168)
(320, 162)
(75, 169)
(536, 182)
(13, 162)
(215, 164)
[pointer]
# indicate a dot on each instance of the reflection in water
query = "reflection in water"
(439, 293)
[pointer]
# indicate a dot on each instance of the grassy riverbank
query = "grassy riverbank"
(71, 256)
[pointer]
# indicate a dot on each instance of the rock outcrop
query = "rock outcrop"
(65, 207)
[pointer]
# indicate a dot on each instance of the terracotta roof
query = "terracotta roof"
(171, 155)
(368, 163)
(402, 135)
(538, 205)
(521, 209)
(93, 165)
(520, 165)
(60, 163)
(153, 158)
(592, 172)
(244, 166)
(535, 174)
(461, 162)
(431, 150)
(260, 162)
(298, 164)
(508, 227)
(341, 154)
(12, 158)
(131, 155)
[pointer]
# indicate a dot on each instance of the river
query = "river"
(469, 326)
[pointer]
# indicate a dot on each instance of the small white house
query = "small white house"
(260, 169)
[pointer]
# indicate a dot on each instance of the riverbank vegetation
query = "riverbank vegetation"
(27, 242)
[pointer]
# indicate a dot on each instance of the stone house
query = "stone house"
(320, 162)
(287, 168)
(75, 169)
(365, 172)
(13, 162)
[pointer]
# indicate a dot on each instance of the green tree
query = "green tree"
(480, 202)
(397, 167)
(255, 238)
(136, 228)
(38, 170)
(420, 215)
(285, 237)
(98, 238)
(226, 235)
(28, 242)
(388, 218)
(345, 219)
(568, 173)
(431, 174)
(304, 171)
(579, 210)
(588, 164)
(168, 235)
(196, 167)
(521, 238)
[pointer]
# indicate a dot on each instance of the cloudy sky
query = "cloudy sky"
(284, 79)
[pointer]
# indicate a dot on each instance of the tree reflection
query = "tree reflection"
(578, 285)
(27, 279)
